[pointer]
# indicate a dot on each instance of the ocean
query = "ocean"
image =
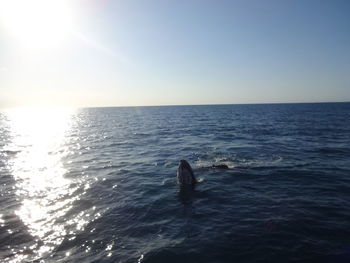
(99, 184)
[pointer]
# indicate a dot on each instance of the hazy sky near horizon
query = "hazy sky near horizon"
(153, 52)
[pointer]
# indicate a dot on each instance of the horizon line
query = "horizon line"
(168, 105)
(212, 104)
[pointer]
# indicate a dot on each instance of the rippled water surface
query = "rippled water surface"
(99, 184)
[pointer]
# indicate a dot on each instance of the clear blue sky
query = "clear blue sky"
(150, 52)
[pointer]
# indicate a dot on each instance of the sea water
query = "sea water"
(99, 184)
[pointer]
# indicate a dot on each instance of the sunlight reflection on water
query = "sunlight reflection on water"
(38, 137)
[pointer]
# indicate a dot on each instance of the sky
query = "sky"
(93, 53)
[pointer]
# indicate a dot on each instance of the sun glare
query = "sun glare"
(37, 23)
(38, 139)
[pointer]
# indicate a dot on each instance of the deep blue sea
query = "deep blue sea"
(99, 184)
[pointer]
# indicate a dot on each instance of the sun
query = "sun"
(37, 23)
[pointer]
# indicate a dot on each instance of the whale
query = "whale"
(219, 166)
(185, 175)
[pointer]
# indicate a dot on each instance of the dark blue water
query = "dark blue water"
(99, 184)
